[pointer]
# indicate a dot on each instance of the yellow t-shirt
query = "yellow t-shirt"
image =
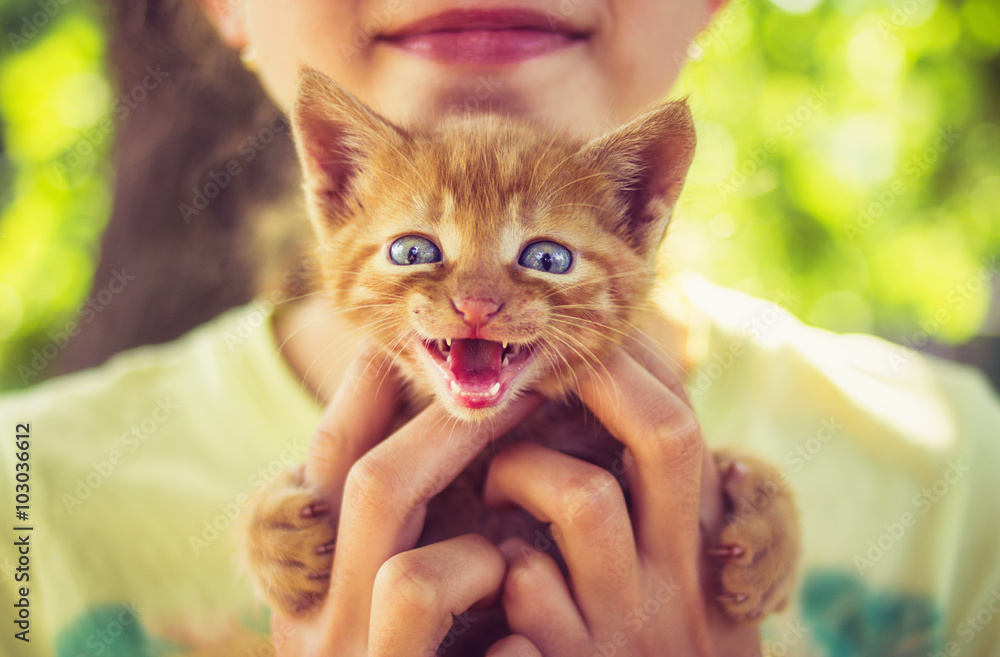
(137, 470)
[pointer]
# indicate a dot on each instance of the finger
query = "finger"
(417, 592)
(514, 645)
(663, 436)
(387, 490)
(537, 601)
(590, 521)
(654, 355)
(355, 420)
(713, 505)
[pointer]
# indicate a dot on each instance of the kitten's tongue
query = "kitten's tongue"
(476, 363)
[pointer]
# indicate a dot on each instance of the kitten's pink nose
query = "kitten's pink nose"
(476, 312)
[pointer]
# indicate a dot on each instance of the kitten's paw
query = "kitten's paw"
(288, 540)
(759, 546)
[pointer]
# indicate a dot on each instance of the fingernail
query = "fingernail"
(314, 509)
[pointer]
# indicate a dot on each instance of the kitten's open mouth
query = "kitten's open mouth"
(477, 373)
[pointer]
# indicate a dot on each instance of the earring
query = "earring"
(248, 56)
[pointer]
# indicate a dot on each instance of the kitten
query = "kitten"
(489, 256)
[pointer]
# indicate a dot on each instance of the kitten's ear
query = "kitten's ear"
(649, 157)
(334, 134)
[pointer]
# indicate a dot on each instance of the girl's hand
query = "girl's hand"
(638, 582)
(386, 598)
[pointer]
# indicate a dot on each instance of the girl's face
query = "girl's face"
(586, 65)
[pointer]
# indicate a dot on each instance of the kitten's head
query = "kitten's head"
(488, 254)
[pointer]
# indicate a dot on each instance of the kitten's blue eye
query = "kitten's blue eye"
(546, 256)
(413, 250)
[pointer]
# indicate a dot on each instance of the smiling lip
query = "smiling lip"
(480, 37)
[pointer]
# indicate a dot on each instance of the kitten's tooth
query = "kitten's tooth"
(506, 362)
(455, 388)
(447, 341)
(494, 389)
(505, 344)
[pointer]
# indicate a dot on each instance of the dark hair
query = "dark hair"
(198, 159)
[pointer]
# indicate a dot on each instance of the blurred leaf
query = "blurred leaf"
(851, 147)
(54, 108)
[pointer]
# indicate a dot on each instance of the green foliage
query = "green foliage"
(848, 161)
(847, 165)
(54, 176)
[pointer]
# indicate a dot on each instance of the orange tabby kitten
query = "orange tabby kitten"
(489, 256)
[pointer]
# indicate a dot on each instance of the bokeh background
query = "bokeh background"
(848, 167)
